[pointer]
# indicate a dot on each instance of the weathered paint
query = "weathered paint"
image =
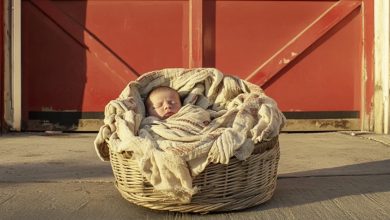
(6, 83)
(16, 66)
(367, 109)
(80, 125)
(322, 125)
(381, 76)
(319, 27)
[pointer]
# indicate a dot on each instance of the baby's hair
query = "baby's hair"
(158, 89)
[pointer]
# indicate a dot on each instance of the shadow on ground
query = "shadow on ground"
(55, 170)
(311, 186)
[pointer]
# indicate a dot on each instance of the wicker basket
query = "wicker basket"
(238, 185)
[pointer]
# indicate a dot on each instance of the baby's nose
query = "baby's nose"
(167, 105)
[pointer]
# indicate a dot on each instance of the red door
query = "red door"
(305, 54)
(78, 55)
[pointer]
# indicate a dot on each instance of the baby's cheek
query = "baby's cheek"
(153, 113)
(160, 112)
(176, 109)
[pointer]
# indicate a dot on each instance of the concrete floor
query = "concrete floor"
(321, 176)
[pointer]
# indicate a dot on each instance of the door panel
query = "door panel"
(327, 76)
(85, 52)
(248, 32)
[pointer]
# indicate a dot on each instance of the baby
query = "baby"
(162, 102)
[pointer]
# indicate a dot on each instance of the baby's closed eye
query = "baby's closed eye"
(158, 105)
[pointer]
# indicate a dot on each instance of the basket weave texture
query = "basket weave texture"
(238, 185)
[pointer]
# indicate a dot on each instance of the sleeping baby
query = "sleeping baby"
(168, 119)
(181, 129)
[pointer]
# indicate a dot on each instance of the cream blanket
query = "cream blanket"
(222, 116)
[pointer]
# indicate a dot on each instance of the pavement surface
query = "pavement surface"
(321, 176)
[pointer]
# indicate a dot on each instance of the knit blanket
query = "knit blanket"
(222, 117)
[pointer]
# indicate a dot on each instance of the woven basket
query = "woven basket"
(238, 185)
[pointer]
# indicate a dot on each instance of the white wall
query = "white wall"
(382, 71)
(12, 64)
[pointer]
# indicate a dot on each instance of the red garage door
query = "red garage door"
(78, 55)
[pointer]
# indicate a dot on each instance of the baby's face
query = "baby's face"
(163, 104)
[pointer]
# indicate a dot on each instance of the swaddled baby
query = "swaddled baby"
(181, 129)
(169, 120)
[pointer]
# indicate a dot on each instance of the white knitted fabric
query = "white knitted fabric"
(222, 116)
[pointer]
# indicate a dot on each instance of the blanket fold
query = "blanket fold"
(222, 116)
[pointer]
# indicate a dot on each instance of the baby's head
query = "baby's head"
(162, 102)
